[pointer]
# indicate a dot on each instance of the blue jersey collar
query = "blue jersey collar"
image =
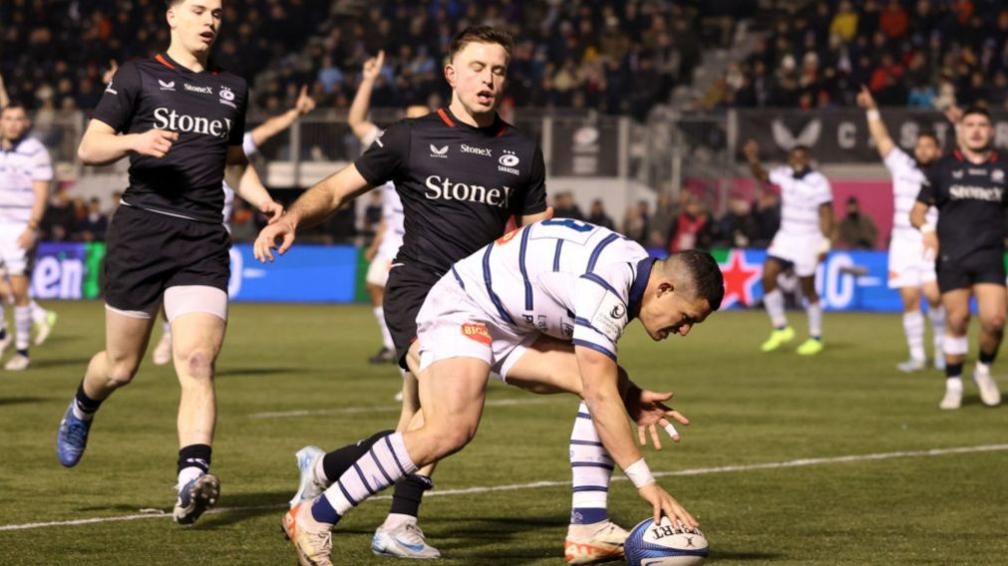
(639, 284)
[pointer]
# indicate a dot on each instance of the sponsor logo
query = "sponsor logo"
(166, 86)
(618, 312)
(961, 192)
(439, 152)
(507, 237)
(957, 174)
(197, 89)
(377, 139)
(567, 329)
(227, 97)
(997, 175)
(109, 89)
(485, 152)
(978, 172)
(446, 189)
(477, 332)
(509, 159)
(165, 119)
(786, 139)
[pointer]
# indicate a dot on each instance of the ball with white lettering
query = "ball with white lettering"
(664, 544)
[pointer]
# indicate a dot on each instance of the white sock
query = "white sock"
(166, 328)
(953, 383)
(378, 468)
(774, 304)
(591, 470)
(937, 316)
(981, 368)
(379, 314)
(22, 327)
(39, 314)
(188, 474)
(814, 311)
(395, 520)
(913, 327)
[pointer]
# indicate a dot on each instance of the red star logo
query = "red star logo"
(738, 276)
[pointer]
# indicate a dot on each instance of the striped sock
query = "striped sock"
(385, 462)
(591, 469)
(22, 327)
(913, 326)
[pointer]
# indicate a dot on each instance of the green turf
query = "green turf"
(746, 407)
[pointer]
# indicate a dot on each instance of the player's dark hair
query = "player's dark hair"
(480, 34)
(705, 274)
(14, 105)
(932, 135)
(802, 147)
(977, 110)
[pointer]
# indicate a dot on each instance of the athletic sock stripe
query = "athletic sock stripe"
(587, 442)
(591, 465)
(583, 488)
(363, 479)
(346, 493)
(381, 468)
(394, 457)
(522, 250)
(581, 415)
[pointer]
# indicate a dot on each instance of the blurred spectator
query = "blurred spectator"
(636, 223)
(95, 224)
(738, 227)
(372, 215)
(692, 228)
(660, 227)
(565, 207)
(856, 231)
(59, 222)
(766, 213)
(599, 217)
(243, 225)
(845, 21)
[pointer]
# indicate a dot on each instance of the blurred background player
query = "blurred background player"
(388, 238)
(181, 122)
(25, 174)
(251, 143)
(911, 271)
(970, 190)
(801, 242)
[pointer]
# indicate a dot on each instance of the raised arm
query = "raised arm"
(751, 152)
(357, 117)
(279, 123)
(879, 133)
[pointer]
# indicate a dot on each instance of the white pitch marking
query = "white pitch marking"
(391, 408)
(800, 463)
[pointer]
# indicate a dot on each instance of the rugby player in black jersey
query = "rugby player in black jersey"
(461, 172)
(181, 122)
(968, 188)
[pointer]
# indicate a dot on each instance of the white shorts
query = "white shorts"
(13, 259)
(907, 265)
(451, 325)
(802, 251)
(378, 271)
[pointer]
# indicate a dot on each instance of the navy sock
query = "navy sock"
(338, 461)
(84, 403)
(986, 358)
(409, 493)
(323, 512)
(194, 456)
(953, 370)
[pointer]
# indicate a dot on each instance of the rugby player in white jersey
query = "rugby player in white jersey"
(543, 307)
(801, 242)
(250, 145)
(911, 270)
(25, 175)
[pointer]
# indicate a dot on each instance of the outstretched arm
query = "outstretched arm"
(357, 117)
(751, 151)
(879, 133)
(277, 124)
(243, 177)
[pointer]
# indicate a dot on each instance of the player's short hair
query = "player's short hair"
(802, 147)
(932, 135)
(480, 34)
(705, 274)
(14, 105)
(977, 110)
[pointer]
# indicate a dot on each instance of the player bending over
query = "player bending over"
(801, 242)
(970, 190)
(543, 307)
(911, 271)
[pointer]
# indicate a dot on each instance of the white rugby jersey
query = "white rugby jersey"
(907, 179)
(250, 149)
(392, 215)
(800, 200)
(26, 162)
(564, 278)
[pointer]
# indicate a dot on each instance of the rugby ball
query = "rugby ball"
(664, 544)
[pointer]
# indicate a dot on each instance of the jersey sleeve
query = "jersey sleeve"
(928, 190)
(780, 176)
(249, 146)
(42, 165)
(237, 135)
(387, 156)
(824, 191)
(118, 104)
(600, 311)
(535, 192)
(898, 162)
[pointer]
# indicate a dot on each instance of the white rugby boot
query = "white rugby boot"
(406, 540)
(594, 543)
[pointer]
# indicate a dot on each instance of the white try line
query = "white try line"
(800, 463)
(396, 408)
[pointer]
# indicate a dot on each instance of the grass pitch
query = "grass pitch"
(294, 375)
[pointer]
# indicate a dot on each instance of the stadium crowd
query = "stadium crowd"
(912, 53)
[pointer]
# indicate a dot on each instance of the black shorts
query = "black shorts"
(404, 295)
(981, 266)
(148, 252)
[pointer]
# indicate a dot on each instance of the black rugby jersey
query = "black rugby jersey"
(207, 109)
(458, 184)
(970, 199)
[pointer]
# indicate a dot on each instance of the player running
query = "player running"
(910, 270)
(544, 305)
(251, 143)
(25, 174)
(969, 190)
(181, 122)
(801, 242)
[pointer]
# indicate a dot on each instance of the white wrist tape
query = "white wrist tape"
(927, 228)
(873, 114)
(639, 474)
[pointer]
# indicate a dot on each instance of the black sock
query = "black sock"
(986, 358)
(408, 494)
(338, 461)
(194, 456)
(3, 331)
(85, 404)
(953, 370)
(23, 352)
